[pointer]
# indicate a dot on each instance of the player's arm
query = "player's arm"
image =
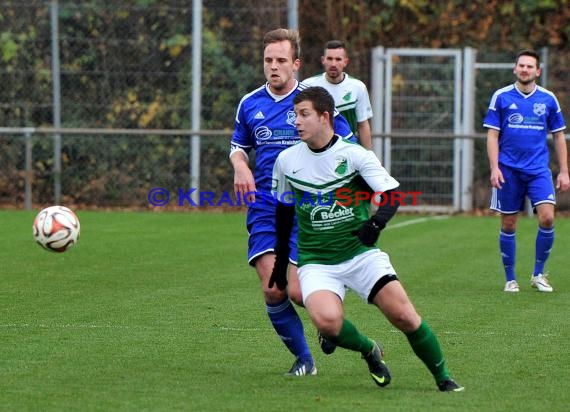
(369, 232)
(365, 134)
(562, 180)
(380, 181)
(241, 144)
(363, 116)
(284, 218)
(493, 155)
(243, 176)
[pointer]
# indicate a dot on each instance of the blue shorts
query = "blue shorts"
(538, 186)
(262, 237)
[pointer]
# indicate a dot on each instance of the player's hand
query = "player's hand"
(279, 273)
(562, 182)
(369, 232)
(497, 178)
(244, 184)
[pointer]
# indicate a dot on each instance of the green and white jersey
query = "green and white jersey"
(328, 190)
(350, 98)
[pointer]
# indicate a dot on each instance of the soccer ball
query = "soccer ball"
(56, 228)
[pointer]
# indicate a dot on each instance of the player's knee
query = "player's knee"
(509, 223)
(296, 297)
(406, 320)
(328, 325)
(294, 291)
(546, 221)
(274, 295)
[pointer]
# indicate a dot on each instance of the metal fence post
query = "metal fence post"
(377, 83)
(467, 149)
(196, 97)
(28, 174)
(56, 77)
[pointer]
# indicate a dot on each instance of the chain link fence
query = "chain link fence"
(127, 65)
(110, 170)
(121, 65)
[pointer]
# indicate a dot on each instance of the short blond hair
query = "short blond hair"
(277, 35)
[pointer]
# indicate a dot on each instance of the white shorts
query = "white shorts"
(360, 274)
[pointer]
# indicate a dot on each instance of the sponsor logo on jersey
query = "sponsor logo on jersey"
(327, 217)
(516, 118)
(264, 136)
(263, 133)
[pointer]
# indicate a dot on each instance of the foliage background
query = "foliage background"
(127, 64)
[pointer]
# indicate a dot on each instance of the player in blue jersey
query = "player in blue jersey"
(321, 181)
(519, 119)
(265, 122)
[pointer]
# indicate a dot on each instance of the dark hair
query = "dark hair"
(277, 35)
(321, 99)
(334, 44)
(530, 53)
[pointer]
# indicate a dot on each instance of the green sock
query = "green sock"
(351, 338)
(426, 346)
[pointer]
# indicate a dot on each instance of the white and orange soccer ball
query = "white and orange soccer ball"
(56, 228)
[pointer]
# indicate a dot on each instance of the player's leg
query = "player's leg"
(509, 201)
(323, 293)
(376, 281)
(508, 249)
(394, 303)
(285, 319)
(543, 246)
(294, 291)
(326, 312)
(280, 310)
(542, 195)
(293, 285)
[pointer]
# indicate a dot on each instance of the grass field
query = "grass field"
(160, 312)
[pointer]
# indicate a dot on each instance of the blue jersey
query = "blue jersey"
(523, 122)
(266, 123)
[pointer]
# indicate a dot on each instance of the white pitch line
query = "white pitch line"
(61, 326)
(416, 221)
(487, 333)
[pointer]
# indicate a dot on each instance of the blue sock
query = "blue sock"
(508, 248)
(289, 327)
(544, 242)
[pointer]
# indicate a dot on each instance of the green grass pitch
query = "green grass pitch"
(160, 312)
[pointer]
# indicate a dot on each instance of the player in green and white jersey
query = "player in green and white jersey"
(349, 93)
(327, 182)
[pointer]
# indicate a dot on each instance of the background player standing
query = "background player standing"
(519, 118)
(350, 94)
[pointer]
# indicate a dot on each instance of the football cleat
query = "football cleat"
(449, 385)
(326, 345)
(377, 367)
(302, 368)
(541, 283)
(511, 286)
